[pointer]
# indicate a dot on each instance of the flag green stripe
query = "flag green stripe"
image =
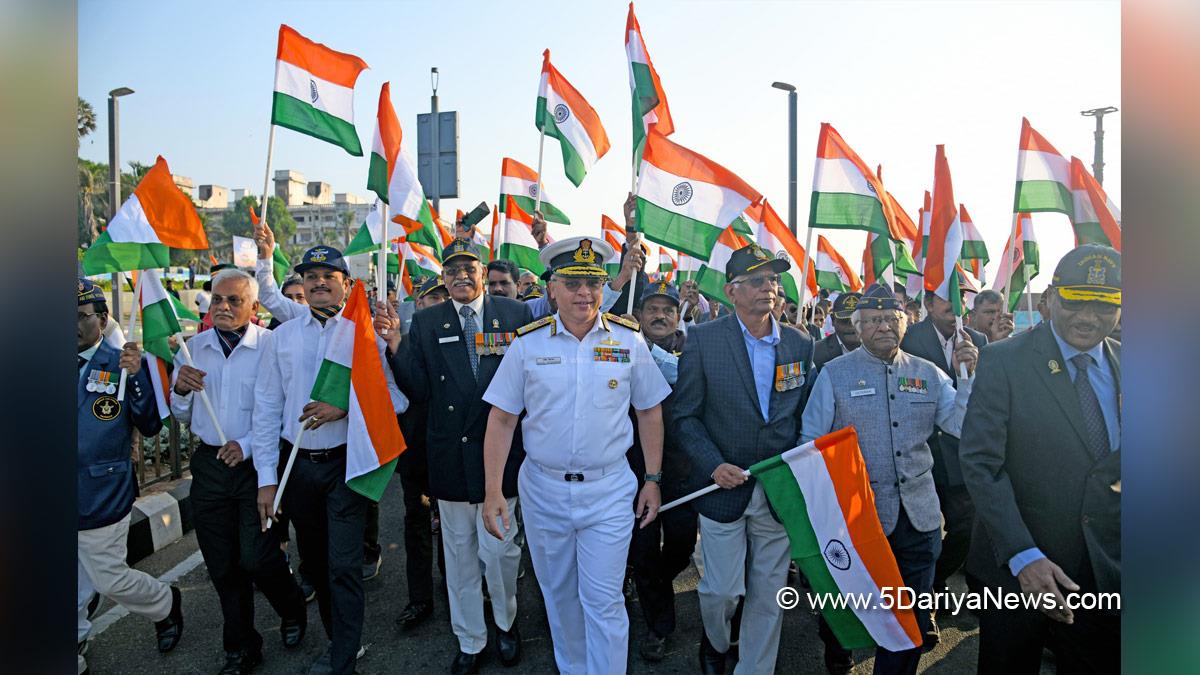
(160, 348)
(522, 256)
(158, 321)
(830, 281)
(742, 227)
(549, 211)
(677, 231)
(1091, 233)
(643, 88)
(362, 242)
(292, 113)
(108, 256)
(845, 211)
(1016, 286)
(712, 283)
(332, 385)
(788, 502)
(373, 483)
(974, 250)
(279, 265)
(1032, 256)
(639, 136)
(572, 161)
(181, 311)
(377, 177)
(1035, 196)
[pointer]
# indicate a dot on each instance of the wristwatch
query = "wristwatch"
(653, 477)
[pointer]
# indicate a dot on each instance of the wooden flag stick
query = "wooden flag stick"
(133, 313)
(262, 207)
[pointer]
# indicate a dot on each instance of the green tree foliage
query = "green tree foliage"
(85, 117)
(237, 221)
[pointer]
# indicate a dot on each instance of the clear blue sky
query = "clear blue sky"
(894, 77)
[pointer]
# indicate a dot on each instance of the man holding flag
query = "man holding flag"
(894, 400)
(329, 516)
(237, 553)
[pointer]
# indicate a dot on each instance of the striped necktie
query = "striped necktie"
(1089, 403)
(470, 328)
(324, 314)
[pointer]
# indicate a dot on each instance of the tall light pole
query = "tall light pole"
(1098, 161)
(114, 182)
(436, 145)
(791, 90)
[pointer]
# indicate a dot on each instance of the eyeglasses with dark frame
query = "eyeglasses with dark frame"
(757, 282)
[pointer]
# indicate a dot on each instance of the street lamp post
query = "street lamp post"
(1098, 160)
(791, 90)
(114, 181)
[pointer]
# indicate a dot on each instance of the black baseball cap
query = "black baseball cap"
(753, 257)
(1089, 272)
(323, 256)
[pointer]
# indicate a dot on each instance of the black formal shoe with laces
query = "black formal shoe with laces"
(712, 662)
(244, 661)
(170, 629)
(654, 648)
(838, 662)
(292, 631)
(466, 663)
(414, 615)
(508, 645)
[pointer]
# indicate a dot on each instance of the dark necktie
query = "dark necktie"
(470, 328)
(229, 339)
(1089, 403)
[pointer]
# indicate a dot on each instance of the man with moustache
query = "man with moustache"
(1041, 456)
(844, 338)
(329, 517)
(236, 552)
(988, 316)
(448, 359)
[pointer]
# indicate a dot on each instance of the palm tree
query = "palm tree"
(93, 199)
(85, 118)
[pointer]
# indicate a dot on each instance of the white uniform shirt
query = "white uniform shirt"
(578, 406)
(279, 305)
(289, 368)
(230, 383)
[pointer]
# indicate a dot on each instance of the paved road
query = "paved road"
(127, 645)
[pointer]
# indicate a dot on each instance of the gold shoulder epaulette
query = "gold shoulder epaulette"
(530, 327)
(622, 321)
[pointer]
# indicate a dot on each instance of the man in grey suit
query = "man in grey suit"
(933, 339)
(1041, 456)
(738, 401)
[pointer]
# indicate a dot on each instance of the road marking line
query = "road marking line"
(172, 575)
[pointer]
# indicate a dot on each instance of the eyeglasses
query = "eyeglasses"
(1100, 308)
(875, 322)
(573, 285)
(455, 270)
(84, 316)
(234, 301)
(757, 282)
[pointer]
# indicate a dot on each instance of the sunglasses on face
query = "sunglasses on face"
(757, 282)
(455, 270)
(573, 285)
(1100, 308)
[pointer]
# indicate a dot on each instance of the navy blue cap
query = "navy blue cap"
(660, 288)
(90, 292)
(429, 285)
(1091, 272)
(323, 256)
(845, 305)
(752, 257)
(464, 248)
(878, 296)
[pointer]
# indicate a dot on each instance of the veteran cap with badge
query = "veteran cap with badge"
(753, 257)
(429, 285)
(90, 292)
(845, 305)
(1091, 272)
(460, 248)
(878, 296)
(664, 289)
(577, 257)
(323, 256)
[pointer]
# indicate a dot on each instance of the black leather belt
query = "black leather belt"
(315, 456)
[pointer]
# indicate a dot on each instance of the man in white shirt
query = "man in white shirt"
(329, 517)
(224, 483)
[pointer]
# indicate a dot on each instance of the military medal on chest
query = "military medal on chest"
(913, 385)
(493, 344)
(101, 382)
(788, 376)
(611, 355)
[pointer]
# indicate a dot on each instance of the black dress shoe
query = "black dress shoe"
(414, 615)
(465, 663)
(712, 662)
(244, 661)
(508, 644)
(838, 662)
(93, 605)
(932, 636)
(292, 631)
(654, 649)
(170, 629)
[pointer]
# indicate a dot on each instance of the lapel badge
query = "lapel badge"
(445, 325)
(612, 384)
(495, 323)
(1054, 367)
(862, 383)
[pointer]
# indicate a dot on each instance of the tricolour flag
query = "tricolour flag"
(666, 265)
(846, 193)
(615, 236)
(833, 272)
(684, 199)
(711, 278)
(514, 239)
(157, 217)
(392, 174)
(1097, 219)
(1020, 263)
(945, 237)
(880, 251)
(521, 182)
(563, 113)
(689, 268)
(649, 99)
(279, 261)
(159, 322)
(370, 234)
(914, 286)
(351, 378)
(773, 235)
(822, 494)
(314, 90)
(433, 233)
(1043, 175)
(974, 251)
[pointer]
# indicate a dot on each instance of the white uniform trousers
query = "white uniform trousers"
(578, 534)
(102, 564)
(746, 557)
(467, 544)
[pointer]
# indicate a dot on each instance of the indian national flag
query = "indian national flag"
(684, 199)
(159, 322)
(370, 234)
(1043, 175)
(711, 278)
(615, 236)
(945, 237)
(432, 233)
(351, 378)
(1097, 219)
(563, 113)
(914, 286)
(974, 251)
(689, 268)
(420, 261)
(649, 99)
(666, 265)
(392, 174)
(773, 235)
(514, 239)
(521, 182)
(314, 90)
(822, 494)
(880, 252)
(833, 272)
(1020, 263)
(846, 193)
(157, 217)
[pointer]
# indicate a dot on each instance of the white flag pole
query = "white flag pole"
(262, 206)
(381, 273)
(537, 204)
(1028, 297)
(698, 493)
(187, 356)
(804, 267)
(958, 329)
(287, 471)
(133, 313)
